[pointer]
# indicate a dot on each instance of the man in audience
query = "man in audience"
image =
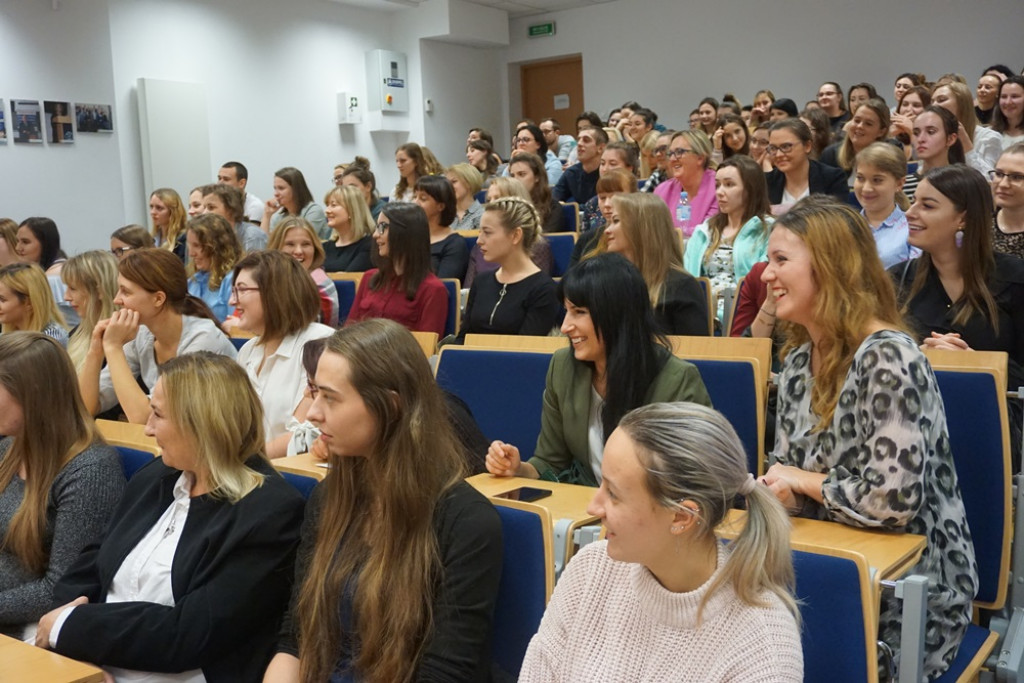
(579, 182)
(832, 102)
(236, 175)
(560, 145)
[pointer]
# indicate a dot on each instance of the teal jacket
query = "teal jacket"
(749, 247)
(565, 418)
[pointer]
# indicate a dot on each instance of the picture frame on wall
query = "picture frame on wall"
(3, 122)
(93, 118)
(25, 122)
(60, 129)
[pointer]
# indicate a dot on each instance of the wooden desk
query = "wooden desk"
(890, 555)
(567, 505)
(127, 434)
(24, 663)
(303, 463)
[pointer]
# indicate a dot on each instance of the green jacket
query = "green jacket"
(564, 420)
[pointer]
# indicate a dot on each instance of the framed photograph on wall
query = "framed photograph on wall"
(3, 123)
(59, 129)
(93, 118)
(25, 122)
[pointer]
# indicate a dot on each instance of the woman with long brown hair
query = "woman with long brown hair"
(399, 561)
(846, 356)
(58, 485)
(157, 321)
(213, 250)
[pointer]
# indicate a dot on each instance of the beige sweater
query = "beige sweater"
(613, 621)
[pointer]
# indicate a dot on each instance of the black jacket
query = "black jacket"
(231, 578)
(821, 179)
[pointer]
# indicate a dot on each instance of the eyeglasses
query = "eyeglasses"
(337, 179)
(758, 142)
(523, 141)
(1013, 178)
(239, 290)
(381, 228)
(785, 148)
(679, 153)
(661, 149)
(120, 251)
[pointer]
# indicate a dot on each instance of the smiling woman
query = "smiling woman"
(656, 594)
(213, 249)
(297, 238)
(618, 360)
(846, 356)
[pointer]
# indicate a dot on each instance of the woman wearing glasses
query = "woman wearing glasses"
(276, 300)
(693, 173)
(157, 321)
(1008, 189)
(123, 240)
(530, 139)
(402, 287)
(796, 175)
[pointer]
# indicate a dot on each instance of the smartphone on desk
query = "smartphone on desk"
(524, 494)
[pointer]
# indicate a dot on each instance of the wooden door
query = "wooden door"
(553, 88)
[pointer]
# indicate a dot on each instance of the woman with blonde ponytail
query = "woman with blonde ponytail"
(518, 297)
(661, 595)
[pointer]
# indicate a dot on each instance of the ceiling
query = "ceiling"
(515, 8)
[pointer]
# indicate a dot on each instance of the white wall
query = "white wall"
(668, 55)
(272, 71)
(65, 56)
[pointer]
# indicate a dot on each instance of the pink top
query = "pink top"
(702, 207)
(427, 312)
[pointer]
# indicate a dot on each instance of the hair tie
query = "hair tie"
(747, 487)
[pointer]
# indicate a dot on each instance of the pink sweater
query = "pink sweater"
(613, 621)
(702, 207)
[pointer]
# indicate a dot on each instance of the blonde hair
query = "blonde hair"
(692, 453)
(226, 426)
(887, 159)
(700, 143)
(175, 222)
(9, 233)
(298, 223)
(510, 187)
(516, 212)
(29, 284)
(219, 240)
(93, 272)
(357, 209)
(470, 176)
(853, 291)
(880, 109)
(647, 225)
(38, 375)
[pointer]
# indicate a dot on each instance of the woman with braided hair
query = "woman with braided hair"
(518, 297)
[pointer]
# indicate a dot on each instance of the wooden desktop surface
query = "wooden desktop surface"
(24, 663)
(126, 434)
(567, 501)
(303, 463)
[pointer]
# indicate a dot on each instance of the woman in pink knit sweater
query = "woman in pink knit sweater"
(661, 599)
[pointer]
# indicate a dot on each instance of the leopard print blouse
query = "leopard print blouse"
(887, 457)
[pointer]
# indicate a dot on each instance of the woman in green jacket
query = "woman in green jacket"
(616, 362)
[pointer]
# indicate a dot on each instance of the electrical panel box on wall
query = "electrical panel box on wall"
(349, 109)
(387, 81)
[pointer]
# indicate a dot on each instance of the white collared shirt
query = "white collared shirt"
(282, 379)
(145, 576)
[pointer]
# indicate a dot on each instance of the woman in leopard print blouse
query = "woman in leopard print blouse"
(861, 435)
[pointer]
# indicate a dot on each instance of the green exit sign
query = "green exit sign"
(538, 30)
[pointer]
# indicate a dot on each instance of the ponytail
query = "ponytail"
(197, 308)
(692, 453)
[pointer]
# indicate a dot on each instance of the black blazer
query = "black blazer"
(231, 578)
(821, 179)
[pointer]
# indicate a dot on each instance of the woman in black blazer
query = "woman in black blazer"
(795, 174)
(193, 574)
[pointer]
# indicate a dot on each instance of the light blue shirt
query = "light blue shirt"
(216, 299)
(891, 239)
